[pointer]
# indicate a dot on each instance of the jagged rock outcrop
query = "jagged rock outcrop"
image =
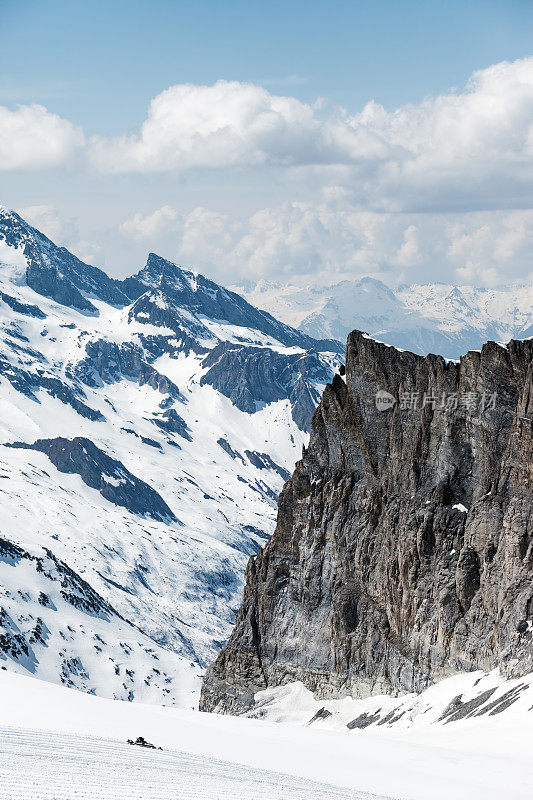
(109, 362)
(171, 422)
(29, 384)
(404, 545)
(27, 309)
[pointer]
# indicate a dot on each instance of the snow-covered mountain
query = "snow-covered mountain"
(423, 318)
(146, 428)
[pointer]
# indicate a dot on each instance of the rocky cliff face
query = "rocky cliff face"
(253, 376)
(404, 545)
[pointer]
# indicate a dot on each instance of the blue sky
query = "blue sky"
(99, 63)
(96, 66)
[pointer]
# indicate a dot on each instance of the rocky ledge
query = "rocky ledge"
(403, 551)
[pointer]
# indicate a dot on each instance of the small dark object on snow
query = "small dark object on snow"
(342, 369)
(140, 741)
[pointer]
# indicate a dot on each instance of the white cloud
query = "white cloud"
(89, 252)
(486, 251)
(430, 190)
(45, 218)
(461, 150)
(224, 125)
(61, 230)
(469, 149)
(145, 227)
(334, 238)
(32, 138)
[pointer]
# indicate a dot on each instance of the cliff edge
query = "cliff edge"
(403, 551)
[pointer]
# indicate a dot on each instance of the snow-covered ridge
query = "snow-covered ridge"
(136, 460)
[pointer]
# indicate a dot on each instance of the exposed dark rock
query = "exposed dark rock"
(186, 332)
(391, 717)
(66, 394)
(14, 644)
(171, 422)
(28, 383)
(200, 296)
(504, 701)
(263, 461)
(304, 399)
(253, 376)
(225, 445)
(108, 476)
(109, 362)
(179, 343)
(322, 713)
(151, 442)
(373, 581)
(18, 636)
(54, 272)
(15, 331)
(458, 709)
(21, 380)
(363, 721)
(22, 308)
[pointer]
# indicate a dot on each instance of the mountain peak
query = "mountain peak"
(193, 292)
(53, 271)
(6, 212)
(156, 261)
(158, 270)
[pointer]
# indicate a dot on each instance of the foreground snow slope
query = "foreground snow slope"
(54, 766)
(479, 758)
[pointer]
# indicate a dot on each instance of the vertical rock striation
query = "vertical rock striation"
(404, 545)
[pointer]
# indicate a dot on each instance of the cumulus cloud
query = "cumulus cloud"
(431, 188)
(144, 227)
(32, 138)
(468, 149)
(457, 149)
(461, 150)
(61, 230)
(46, 219)
(224, 125)
(336, 240)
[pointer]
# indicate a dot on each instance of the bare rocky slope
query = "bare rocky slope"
(403, 551)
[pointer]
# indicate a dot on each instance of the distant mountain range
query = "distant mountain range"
(423, 318)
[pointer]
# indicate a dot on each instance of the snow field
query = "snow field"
(39, 765)
(487, 758)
